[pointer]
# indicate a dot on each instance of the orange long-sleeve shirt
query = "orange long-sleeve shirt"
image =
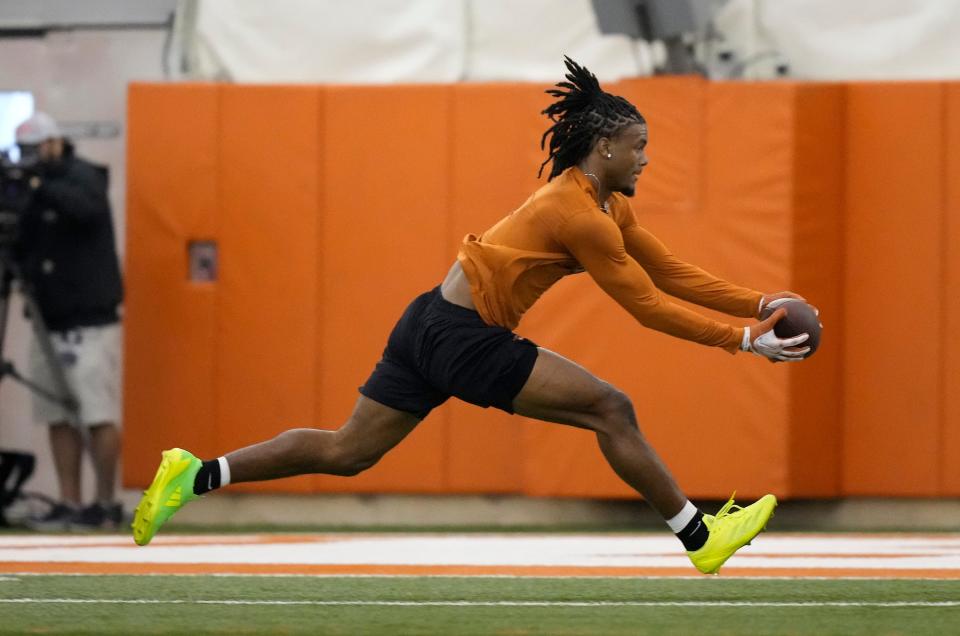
(561, 230)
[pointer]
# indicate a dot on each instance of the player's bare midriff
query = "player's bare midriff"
(456, 288)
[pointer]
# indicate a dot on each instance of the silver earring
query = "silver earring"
(609, 155)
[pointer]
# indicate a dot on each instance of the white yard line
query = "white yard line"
(547, 577)
(358, 603)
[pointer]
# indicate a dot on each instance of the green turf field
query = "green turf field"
(40, 604)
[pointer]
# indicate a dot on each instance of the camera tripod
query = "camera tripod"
(60, 393)
(16, 468)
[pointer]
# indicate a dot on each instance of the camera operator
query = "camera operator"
(67, 253)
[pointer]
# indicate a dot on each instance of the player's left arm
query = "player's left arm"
(687, 281)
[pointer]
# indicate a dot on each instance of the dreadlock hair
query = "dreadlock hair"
(582, 114)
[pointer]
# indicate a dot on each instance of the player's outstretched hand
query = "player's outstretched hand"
(761, 340)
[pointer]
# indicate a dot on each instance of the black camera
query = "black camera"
(16, 194)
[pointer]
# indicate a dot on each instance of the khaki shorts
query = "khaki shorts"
(91, 358)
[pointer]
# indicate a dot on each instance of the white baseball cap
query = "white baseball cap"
(37, 129)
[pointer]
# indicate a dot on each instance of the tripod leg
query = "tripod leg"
(63, 393)
(5, 284)
(66, 397)
(13, 462)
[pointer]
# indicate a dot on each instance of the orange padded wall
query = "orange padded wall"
(170, 324)
(950, 327)
(494, 156)
(815, 439)
(334, 206)
(893, 319)
(384, 227)
(267, 301)
(578, 321)
(724, 189)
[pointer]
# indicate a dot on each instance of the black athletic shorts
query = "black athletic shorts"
(438, 349)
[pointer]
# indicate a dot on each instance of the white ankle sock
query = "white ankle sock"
(682, 518)
(224, 471)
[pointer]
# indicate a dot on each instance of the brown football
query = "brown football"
(800, 318)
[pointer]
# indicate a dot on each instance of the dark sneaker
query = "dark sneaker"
(59, 519)
(97, 516)
(115, 516)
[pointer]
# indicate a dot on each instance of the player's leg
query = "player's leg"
(558, 390)
(394, 399)
(371, 431)
(562, 391)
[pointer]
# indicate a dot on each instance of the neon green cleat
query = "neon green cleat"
(730, 531)
(172, 487)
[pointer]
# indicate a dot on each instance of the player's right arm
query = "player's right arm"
(597, 243)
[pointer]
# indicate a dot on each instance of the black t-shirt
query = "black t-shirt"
(66, 247)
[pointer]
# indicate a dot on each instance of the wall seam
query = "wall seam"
(793, 199)
(217, 339)
(451, 246)
(842, 286)
(320, 263)
(943, 278)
